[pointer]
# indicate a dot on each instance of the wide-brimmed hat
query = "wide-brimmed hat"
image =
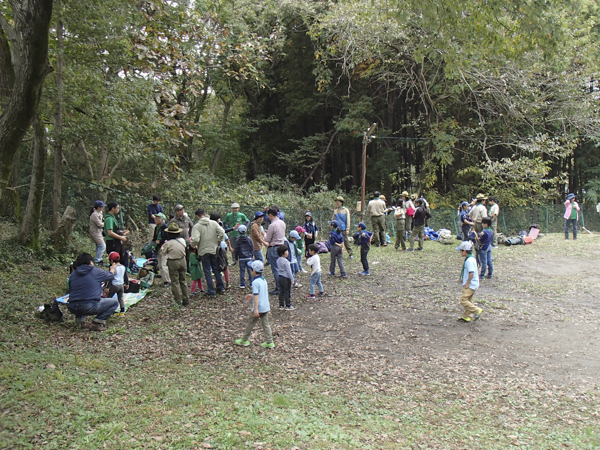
(339, 198)
(481, 197)
(382, 197)
(571, 196)
(413, 196)
(405, 194)
(173, 228)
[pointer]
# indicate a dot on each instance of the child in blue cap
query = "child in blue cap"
(336, 240)
(366, 237)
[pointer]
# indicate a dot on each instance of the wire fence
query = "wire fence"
(81, 194)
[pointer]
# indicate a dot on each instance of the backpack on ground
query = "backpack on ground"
(51, 312)
(133, 287)
(514, 240)
(322, 247)
(147, 280)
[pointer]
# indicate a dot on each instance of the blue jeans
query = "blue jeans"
(211, 263)
(364, 251)
(315, 279)
(258, 255)
(102, 309)
(99, 251)
(243, 268)
(272, 258)
(486, 262)
(574, 222)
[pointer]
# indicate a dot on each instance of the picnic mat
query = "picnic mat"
(129, 299)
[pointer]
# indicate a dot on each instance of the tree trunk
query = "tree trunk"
(29, 61)
(215, 161)
(7, 75)
(62, 235)
(9, 203)
(30, 227)
(58, 122)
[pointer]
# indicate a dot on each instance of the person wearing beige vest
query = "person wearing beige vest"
(173, 250)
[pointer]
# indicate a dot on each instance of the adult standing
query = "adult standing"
(465, 222)
(478, 212)
(153, 209)
(311, 231)
(275, 237)
(409, 209)
(174, 251)
(96, 228)
(206, 237)
(571, 215)
(400, 223)
(257, 236)
(185, 225)
(494, 212)
(114, 236)
(376, 209)
(85, 294)
(421, 215)
(159, 239)
(233, 220)
(341, 215)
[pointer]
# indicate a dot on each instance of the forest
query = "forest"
(182, 96)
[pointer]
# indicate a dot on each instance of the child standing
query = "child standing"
(400, 222)
(336, 239)
(312, 231)
(485, 248)
(286, 278)
(295, 255)
(314, 262)
(119, 281)
(260, 307)
(243, 252)
(196, 273)
(469, 281)
(300, 246)
(465, 222)
(366, 237)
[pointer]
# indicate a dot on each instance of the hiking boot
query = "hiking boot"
(97, 326)
(462, 319)
(185, 303)
(221, 292)
(310, 296)
(275, 292)
(331, 274)
(478, 314)
(242, 343)
(489, 277)
(267, 345)
(290, 308)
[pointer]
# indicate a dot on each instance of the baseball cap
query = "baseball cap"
(242, 228)
(161, 215)
(98, 204)
(258, 214)
(256, 265)
(361, 225)
(294, 234)
(467, 246)
(235, 205)
(113, 256)
(178, 207)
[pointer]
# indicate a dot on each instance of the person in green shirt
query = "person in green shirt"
(114, 236)
(233, 220)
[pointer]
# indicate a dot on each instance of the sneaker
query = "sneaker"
(122, 310)
(478, 315)
(96, 326)
(494, 246)
(321, 294)
(221, 292)
(275, 292)
(331, 274)
(297, 285)
(310, 296)
(351, 256)
(242, 343)
(489, 277)
(290, 308)
(303, 271)
(419, 249)
(481, 276)
(210, 294)
(364, 273)
(167, 285)
(462, 319)
(267, 345)
(281, 307)
(344, 275)
(194, 293)
(409, 250)
(185, 303)
(242, 286)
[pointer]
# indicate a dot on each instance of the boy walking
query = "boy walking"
(260, 307)
(314, 262)
(286, 278)
(469, 281)
(365, 245)
(485, 248)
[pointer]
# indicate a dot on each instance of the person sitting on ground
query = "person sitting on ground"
(336, 241)
(465, 222)
(85, 294)
(242, 253)
(257, 234)
(121, 280)
(153, 209)
(421, 214)
(173, 250)
(96, 228)
(260, 307)
(234, 220)
(470, 282)
(366, 237)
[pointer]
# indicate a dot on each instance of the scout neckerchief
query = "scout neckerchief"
(462, 272)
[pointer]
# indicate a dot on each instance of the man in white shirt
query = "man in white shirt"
(494, 211)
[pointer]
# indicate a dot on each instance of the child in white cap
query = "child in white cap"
(242, 253)
(470, 282)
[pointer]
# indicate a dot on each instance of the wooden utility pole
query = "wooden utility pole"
(366, 141)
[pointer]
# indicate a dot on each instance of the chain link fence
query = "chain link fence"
(81, 194)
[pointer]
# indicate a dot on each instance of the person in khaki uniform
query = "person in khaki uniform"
(478, 212)
(376, 209)
(341, 215)
(173, 250)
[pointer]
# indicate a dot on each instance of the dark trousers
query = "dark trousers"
(115, 246)
(465, 232)
(364, 251)
(285, 291)
(567, 224)
(211, 263)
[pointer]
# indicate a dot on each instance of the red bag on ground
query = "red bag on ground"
(527, 240)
